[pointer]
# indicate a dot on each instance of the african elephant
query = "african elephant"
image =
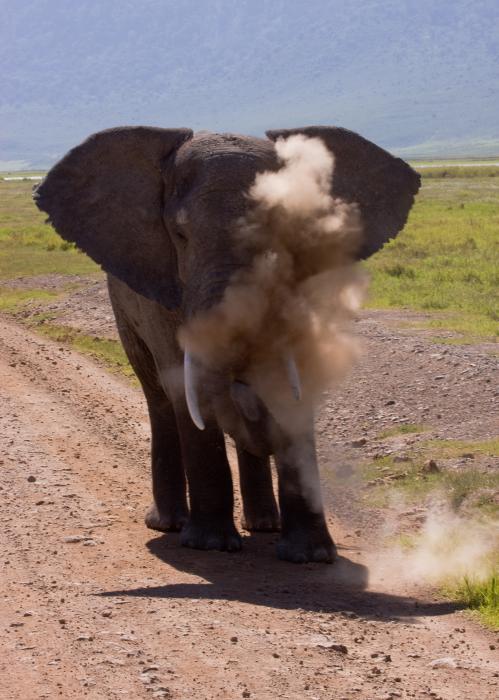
(155, 208)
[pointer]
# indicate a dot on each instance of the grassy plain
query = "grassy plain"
(446, 261)
(31, 249)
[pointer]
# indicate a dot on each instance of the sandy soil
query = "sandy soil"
(94, 605)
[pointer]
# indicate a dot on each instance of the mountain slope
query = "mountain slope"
(402, 73)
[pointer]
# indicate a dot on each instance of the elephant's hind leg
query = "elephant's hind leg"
(260, 512)
(169, 511)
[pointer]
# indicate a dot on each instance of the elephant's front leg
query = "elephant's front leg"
(169, 510)
(304, 533)
(211, 521)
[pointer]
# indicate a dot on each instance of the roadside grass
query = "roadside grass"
(105, 350)
(479, 595)
(413, 483)
(402, 429)
(14, 299)
(461, 448)
(446, 260)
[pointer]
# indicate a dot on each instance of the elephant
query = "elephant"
(155, 208)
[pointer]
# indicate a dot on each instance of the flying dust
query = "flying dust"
(449, 547)
(298, 291)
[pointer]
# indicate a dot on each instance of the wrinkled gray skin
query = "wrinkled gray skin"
(156, 208)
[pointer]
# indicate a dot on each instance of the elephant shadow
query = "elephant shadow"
(257, 577)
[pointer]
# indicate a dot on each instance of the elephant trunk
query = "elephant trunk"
(216, 349)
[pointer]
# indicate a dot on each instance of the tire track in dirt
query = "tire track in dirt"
(94, 605)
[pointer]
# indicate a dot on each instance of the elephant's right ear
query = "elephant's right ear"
(106, 195)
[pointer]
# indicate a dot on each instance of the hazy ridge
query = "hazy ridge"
(410, 75)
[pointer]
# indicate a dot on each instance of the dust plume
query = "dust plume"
(298, 290)
(452, 546)
(449, 546)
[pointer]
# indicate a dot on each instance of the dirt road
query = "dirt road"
(95, 605)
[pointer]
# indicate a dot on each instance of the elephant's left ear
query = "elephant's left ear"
(106, 195)
(383, 186)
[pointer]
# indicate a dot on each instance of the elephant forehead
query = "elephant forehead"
(211, 147)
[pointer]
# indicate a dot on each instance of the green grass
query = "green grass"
(21, 173)
(105, 350)
(455, 171)
(479, 595)
(14, 299)
(414, 484)
(456, 448)
(402, 429)
(446, 260)
(28, 246)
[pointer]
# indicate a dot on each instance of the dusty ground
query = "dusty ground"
(93, 604)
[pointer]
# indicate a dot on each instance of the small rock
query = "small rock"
(341, 648)
(72, 539)
(430, 467)
(234, 640)
(360, 442)
(31, 479)
(444, 662)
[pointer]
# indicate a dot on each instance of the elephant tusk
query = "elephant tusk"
(293, 376)
(191, 395)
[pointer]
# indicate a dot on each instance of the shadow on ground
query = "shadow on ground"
(255, 576)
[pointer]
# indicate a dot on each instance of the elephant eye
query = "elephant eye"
(181, 236)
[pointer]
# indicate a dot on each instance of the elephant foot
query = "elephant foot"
(305, 545)
(222, 536)
(261, 522)
(171, 520)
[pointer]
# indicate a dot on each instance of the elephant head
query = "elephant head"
(157, 208)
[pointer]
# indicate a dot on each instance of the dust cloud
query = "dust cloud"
(298, 291)
(449, 546)
(452, 546)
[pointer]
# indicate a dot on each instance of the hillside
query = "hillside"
(402, 73)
